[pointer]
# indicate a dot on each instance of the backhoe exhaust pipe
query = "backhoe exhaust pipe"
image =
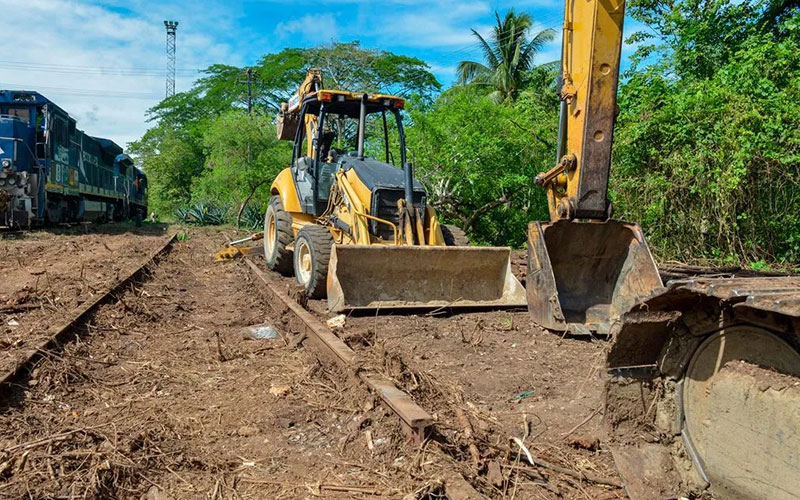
(362, 122)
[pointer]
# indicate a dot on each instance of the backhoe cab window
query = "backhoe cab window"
(339, 136)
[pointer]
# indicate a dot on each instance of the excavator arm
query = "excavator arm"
(289, 114)
(577, 187)
(585, 269)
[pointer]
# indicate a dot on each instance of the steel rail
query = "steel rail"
(57, 334)
(327, 345)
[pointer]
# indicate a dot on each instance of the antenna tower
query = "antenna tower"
(172, 27)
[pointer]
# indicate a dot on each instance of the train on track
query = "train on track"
(51, 172)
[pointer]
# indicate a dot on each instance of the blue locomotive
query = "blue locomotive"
(52, 172)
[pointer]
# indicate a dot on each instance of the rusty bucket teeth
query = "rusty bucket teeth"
(421, 277)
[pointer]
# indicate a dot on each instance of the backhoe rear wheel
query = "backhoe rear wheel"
(312, 254)
(277, 236)
(454, 236)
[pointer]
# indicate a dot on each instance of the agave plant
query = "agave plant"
(202, 215)
(252, 218)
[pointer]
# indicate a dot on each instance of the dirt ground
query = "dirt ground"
(46, 274)
(165, 394)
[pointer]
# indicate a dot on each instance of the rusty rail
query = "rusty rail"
(414, 419)
(58, 333)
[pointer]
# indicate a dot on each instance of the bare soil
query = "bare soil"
(46, 274)
(165, 395)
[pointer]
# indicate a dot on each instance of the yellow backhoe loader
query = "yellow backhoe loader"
(703, 388)
(352, 226)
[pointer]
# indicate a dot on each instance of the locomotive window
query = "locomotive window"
(21, 113)
(60, 131)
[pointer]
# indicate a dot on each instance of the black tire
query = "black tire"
(313, 243)
(454, 236)
(278, 257)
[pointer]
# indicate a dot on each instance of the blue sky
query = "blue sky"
(103, 60)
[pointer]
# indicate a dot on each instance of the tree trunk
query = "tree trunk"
(245, 202)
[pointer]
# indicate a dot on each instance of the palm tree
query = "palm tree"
(508, 54)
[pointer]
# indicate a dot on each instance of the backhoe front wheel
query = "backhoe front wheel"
(277, 236)
(312, 254)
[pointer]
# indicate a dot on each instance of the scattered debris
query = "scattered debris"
(523, 395)
(247, 431)
(260, 332)
(279, 390)
(336, 321)
(494, 475)
(590, 443)
(368, 437)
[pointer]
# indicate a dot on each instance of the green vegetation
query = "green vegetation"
(509, 54)
(707, 145)
(707, 153)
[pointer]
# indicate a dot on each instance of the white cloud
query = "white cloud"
(116, 53)
(313, 28)
(414, 23)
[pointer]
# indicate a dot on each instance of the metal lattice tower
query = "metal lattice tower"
(172, 27)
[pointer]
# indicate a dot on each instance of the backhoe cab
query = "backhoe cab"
(349, 220)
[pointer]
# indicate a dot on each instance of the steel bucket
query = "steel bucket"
(583, 275)
(429, 277)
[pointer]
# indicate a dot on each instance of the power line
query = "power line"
(116, 94)
(66, 68)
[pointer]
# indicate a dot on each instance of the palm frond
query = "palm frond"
(496, 97)
(488, 51)
(468, 71)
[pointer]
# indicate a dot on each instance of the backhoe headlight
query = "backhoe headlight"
(12, 181)
(6, 163)
(2, 182)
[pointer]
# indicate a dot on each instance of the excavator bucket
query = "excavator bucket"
(427, 277)
(583, 275)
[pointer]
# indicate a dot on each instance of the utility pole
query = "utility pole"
(172, 28)
(251, 79)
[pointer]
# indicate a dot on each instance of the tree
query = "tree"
(172, 160)
(696, 37)
(348, 66)
(508, 56)
(707, 147)
(243, 154)
(478, 159)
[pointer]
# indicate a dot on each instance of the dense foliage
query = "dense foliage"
(478, 158)
(706, 149)
(706, 152)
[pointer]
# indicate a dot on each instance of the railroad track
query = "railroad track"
(331, 348)
(57, 334)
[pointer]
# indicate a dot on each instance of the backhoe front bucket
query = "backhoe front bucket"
(392, 277)
(583, 275)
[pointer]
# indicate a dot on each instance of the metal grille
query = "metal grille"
(384, 206)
